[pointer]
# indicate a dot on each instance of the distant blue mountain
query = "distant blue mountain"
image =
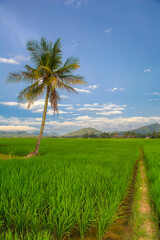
(24, 134)
(148, 129)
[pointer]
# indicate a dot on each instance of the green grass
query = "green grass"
(73, 184)
(152, 160)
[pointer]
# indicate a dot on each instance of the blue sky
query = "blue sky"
(117, 43)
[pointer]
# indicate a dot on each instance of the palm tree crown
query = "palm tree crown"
(47, 76)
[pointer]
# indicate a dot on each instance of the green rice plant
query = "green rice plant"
(152, 160)
(74, 185)
(85, 214)
(45, 235)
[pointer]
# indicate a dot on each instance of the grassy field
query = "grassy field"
(152, 159)
(74, 185)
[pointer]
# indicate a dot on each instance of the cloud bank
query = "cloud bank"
(15, 60)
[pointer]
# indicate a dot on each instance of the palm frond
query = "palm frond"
(56, 55)
(72, 79)
(51, 81)
(35, 51)
(26, 76)
(64, 86)
(71, 60)
(54, 98)
(42, 71)
(69, 66)
(31, 93)
(57, 48)
(45, 45)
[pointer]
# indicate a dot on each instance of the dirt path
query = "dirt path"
(136, 220)
(4, 156)
(148, 227)
(145, 227)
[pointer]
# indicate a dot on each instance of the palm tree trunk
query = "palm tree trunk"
(43, 123)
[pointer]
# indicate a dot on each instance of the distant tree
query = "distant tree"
(92, 135)
(127, 134)
(155, 135)
(104, 135)
(85, 135)
(47, 75)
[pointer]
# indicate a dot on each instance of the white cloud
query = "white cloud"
(89, 109)
(15, 60)
(40, 110)
(102, 108)
(147, 70)
(64, 96)
(93, 86)
(110, 113)
(74, 43)
(153, 93)
(69, 108)
(16, 128)
(76, 3)
(91, 105)
(107, 30)
(21, 58)
(37, 106)
(65, 105)
(69, 2)
(61, 112)
(102, 123)
(154, 99)
(9, 103)
(82, 90)
(51, 112)
(9, 61)
(83, 118)
(115, 89)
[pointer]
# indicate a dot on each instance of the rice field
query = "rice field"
(74, 186)
(152, 159)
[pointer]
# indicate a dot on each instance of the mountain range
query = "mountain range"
(24, 134)
(142, 130)
(83, 131)
(148, 129)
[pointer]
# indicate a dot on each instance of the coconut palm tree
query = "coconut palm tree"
(47, 75)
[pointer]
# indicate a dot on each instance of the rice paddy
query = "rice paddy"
(152, 157)
(73, 188)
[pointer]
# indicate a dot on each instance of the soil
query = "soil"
(4, 156)
(145, 210)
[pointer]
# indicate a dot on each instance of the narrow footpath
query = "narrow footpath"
(137, 222)
(143, 215)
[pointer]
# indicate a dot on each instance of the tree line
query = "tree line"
(128, 134)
